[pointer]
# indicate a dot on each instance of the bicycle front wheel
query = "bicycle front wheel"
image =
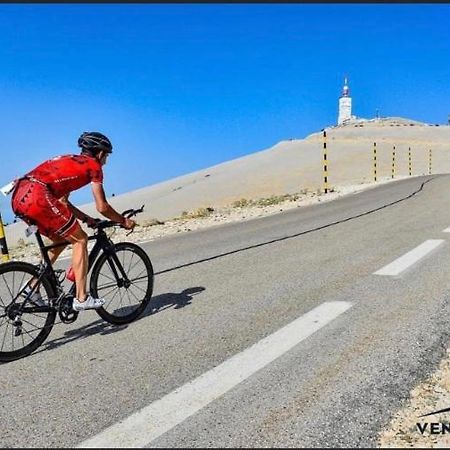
(23, 326)
(125, 297)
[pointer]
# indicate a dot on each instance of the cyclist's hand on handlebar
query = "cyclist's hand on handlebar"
(128, 224)
(91, 222)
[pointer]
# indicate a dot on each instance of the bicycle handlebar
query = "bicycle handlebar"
(102, 224)
(132, 212)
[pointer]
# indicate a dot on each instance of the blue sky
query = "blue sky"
(180, 87)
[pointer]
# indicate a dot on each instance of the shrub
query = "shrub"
(241, 203)
(198, 213)
(21, 243)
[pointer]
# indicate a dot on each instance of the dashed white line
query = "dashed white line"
(159, 417)
(408, 259)
(447, 230)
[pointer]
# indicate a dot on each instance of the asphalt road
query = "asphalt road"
(222, 290)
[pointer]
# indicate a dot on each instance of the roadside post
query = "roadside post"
(409, 161)
(393, 162)
(3, 246)
(325, 163)
(430, 155)
(374, 161)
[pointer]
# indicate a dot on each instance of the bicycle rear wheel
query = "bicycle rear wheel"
(127, 298)
(23, 327)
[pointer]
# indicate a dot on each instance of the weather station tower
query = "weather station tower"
(345, 105)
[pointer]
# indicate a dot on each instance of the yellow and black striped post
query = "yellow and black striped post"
(325, 163)
(374, 161)
(430, 156)
(393, 161)
(4, 254)
(409, 161)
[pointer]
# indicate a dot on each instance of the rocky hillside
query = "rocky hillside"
(293, 166)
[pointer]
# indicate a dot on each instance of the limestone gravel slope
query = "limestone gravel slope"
(291, 166)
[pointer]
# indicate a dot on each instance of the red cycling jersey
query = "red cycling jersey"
(68, 173)
(36, 197)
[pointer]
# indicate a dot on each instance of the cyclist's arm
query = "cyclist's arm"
(102, 205)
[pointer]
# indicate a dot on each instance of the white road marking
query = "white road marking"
(162, 415)
(145, 242)
(410, 258)
(447, 230)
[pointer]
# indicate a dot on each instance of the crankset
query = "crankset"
(65, 310)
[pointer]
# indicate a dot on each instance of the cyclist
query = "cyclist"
(41, 198)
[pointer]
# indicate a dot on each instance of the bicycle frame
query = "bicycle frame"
(102, 243)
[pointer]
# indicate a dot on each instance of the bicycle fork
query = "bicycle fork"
(114, 264)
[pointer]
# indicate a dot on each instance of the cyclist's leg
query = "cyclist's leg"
(35, 204)
(78, 238)
(82, 300)
(54, 253)
(64, 225)
(26, 203)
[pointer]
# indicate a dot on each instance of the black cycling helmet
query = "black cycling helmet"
(93, 142)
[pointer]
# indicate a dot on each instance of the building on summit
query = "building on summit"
(345, 105)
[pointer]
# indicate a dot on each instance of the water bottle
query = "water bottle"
(70, 274)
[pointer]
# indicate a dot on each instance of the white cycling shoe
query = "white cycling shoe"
(89, 303)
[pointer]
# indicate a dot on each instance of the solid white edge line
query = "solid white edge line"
(447, 230)
(408, 259)
(152, 421)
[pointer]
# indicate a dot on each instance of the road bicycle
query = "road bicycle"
(121, 273)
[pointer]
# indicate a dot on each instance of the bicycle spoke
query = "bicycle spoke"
(123, 260)
(145, 278)
(135, 296)
(125, 296)
(135, 285)
(129, 299)
(114, 286)
(112, 298)
(13, 281)
(139, 260)
(4, 337)
(23, 340)
(31, 323)
(5, 320)
(141, 272)
(12, 296)
(29, 333)
(109, 278)
(121, 298)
